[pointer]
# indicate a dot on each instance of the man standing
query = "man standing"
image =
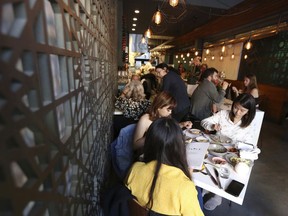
(173, 84)
(206, 94)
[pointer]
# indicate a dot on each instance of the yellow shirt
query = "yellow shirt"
(174, 193)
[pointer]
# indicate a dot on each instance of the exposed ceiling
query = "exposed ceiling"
(193, 21)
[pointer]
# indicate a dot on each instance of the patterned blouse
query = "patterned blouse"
(132, 109)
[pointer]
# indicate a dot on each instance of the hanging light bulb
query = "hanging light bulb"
(233, 56)
(248, 45)
(143, 40)
(181, 55)
(148, 33)
(196, 53)
(157, 17)
(205, 58)
(207, 51)
(173, 3)
(221, 57)
(177, 56)
(245, 56)
(223, 49)
(188, 54)
(213, 57)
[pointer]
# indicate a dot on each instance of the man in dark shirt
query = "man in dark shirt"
(173, 84)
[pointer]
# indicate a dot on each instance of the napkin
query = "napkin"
(251, 154)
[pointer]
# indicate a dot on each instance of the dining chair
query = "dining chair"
(137, 210)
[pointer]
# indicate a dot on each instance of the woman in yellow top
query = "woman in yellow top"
(162, 183)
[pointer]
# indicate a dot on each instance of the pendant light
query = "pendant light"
(157, 17)
(148, 33)
(173, 3)
(248, 45)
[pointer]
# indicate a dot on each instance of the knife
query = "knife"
(217, 176)
(211, 176)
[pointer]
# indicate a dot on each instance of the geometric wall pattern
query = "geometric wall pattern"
(57, 80)
(268, 60)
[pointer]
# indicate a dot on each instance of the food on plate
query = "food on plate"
(219, 160)
(202, 139)
(232, 149)
(217, 149)
(195, 131)
(235, 160)
(188, 139)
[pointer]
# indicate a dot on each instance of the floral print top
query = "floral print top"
(132, 109)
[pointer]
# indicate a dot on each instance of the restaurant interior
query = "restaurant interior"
(63, 64)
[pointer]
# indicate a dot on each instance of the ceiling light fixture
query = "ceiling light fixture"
(148, 33)
(248, 45)
(223, 48)
(157, 17)
(173, 3)
(143, 40)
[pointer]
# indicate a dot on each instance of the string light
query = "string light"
(248, 45)
(223, 49)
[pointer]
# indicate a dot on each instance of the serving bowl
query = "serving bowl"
(217, 150)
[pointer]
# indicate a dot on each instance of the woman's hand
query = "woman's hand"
(234, 89)
(186, 124)
(217, 127)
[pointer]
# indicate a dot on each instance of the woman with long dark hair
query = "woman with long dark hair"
(235, 124)
(250, 86)
(162, 183)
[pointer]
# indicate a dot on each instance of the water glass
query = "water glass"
(224, 172)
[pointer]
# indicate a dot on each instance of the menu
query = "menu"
(195, 152)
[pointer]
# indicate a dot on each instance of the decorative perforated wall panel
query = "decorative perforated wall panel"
(268, 60)
(58, 76)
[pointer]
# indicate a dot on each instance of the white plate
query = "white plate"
(201, 139)
(234, 159)
(194, 131)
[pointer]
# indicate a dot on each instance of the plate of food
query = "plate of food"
(188, 139)
(220, 138)
(194, 131)
(201, 139)
(234, 159)
(217, 150)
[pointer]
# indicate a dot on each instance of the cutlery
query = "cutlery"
(211, 176)
(217, 176)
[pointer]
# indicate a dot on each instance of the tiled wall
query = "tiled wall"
(57, 77)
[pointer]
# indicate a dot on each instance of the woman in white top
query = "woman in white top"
(236, 123)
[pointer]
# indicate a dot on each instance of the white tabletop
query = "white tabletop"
(205, 182)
